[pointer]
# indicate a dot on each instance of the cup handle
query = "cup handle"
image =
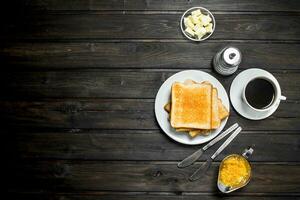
(282, 98)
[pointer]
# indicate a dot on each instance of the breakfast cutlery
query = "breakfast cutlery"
(205, 166)
(196, 155)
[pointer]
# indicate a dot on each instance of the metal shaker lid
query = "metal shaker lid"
(232, 56)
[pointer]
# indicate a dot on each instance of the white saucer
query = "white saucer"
(163, 97)
(236, 91)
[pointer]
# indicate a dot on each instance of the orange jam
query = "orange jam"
(234, 171)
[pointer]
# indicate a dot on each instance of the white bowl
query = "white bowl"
(204, 11)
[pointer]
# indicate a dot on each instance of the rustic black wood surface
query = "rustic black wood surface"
(78, 84)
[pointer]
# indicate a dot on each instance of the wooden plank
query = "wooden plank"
(223, 5)
(72, 5)
(154, 26)
(145, 145)
(51, 55)
(121, 114)
(145, 176)
(145, 196)
(111, 83)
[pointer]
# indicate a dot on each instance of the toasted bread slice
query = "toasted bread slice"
(167, 107)
(184, 129)
(215, 111)
(189, 82)
(215, 119)
(191, 106)
(223, 112)
(186, 82)
(194, 133)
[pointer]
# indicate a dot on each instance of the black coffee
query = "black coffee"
(259, 93)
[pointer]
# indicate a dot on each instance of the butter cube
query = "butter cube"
(196, 13)
(198, 27)
(188, 23)
(199, 35)
(195, 19)
(209, 28)
(189, 31)
(201, 31)
(209, 18)
(205, 19)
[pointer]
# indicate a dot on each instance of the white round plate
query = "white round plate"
(236, 91)
(163, 97)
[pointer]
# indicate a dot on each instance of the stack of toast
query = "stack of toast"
(195, 108)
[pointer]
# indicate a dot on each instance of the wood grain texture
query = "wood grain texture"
(78, 82)
(121, 114)
(166, 54)
(153, 26)
(145, 176)
(147, 196)
(148, 145)
(112, 84)
(224, 5)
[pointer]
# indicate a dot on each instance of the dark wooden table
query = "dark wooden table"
(78, 82)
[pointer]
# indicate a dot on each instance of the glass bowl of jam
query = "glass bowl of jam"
(234, 172)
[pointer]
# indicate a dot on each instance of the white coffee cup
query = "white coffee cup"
(277, 96)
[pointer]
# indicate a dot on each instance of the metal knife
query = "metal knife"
(196, 155)
(205, 166)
